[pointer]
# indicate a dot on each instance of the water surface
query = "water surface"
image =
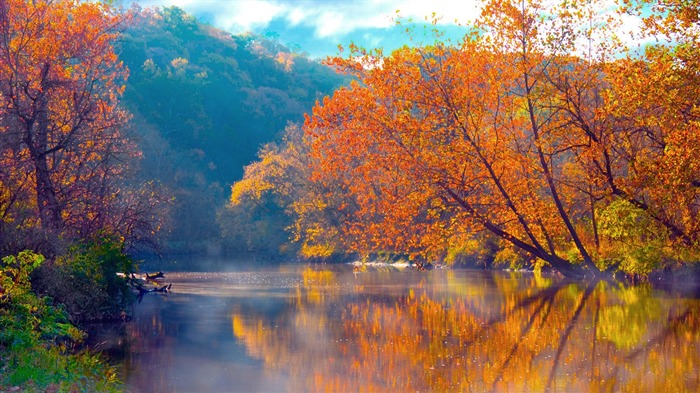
(328, 328)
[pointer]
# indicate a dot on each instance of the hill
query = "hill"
(203, 102)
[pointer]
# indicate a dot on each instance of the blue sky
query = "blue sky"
(318, 27)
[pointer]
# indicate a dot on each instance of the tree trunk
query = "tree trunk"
(37, 140)
(563, 266)
(47, 201)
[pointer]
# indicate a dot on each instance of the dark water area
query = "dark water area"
(306, 328)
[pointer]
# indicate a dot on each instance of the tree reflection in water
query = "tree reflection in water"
(497, 333)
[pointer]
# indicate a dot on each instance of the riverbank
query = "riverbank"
(39, 346)
(38, 350)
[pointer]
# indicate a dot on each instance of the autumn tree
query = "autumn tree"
(276, 209)
(450, 138)
(652, 120)
(255, 219)
(64, 153)
(526, 130)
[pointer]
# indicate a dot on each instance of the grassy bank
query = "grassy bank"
(38, 341)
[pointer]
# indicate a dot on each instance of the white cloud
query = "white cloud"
(296, 16)
(329, 24)
(327, 18)
(242, 15)
(336, 20)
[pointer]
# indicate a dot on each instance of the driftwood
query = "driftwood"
(143, 291)
(163, 289)
(155, 276)
(138, 284)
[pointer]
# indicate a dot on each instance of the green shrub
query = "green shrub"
(632, 240)
(479, 251)
(514, 258)
(86, 282)
(36, 338)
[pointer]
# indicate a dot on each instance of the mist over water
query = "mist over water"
(329, 328)
(217, 264)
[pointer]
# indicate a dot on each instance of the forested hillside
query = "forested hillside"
(203, 102)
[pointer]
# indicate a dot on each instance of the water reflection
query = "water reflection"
(311, 329)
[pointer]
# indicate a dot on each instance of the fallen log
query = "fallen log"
(164, 288)
(143, 290)
(155, 276)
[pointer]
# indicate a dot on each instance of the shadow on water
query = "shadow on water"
(302, 328)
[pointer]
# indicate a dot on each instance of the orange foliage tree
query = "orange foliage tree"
(517, 131)
(62, 146)
(652, 104)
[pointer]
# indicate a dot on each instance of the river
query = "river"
(301, 328)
